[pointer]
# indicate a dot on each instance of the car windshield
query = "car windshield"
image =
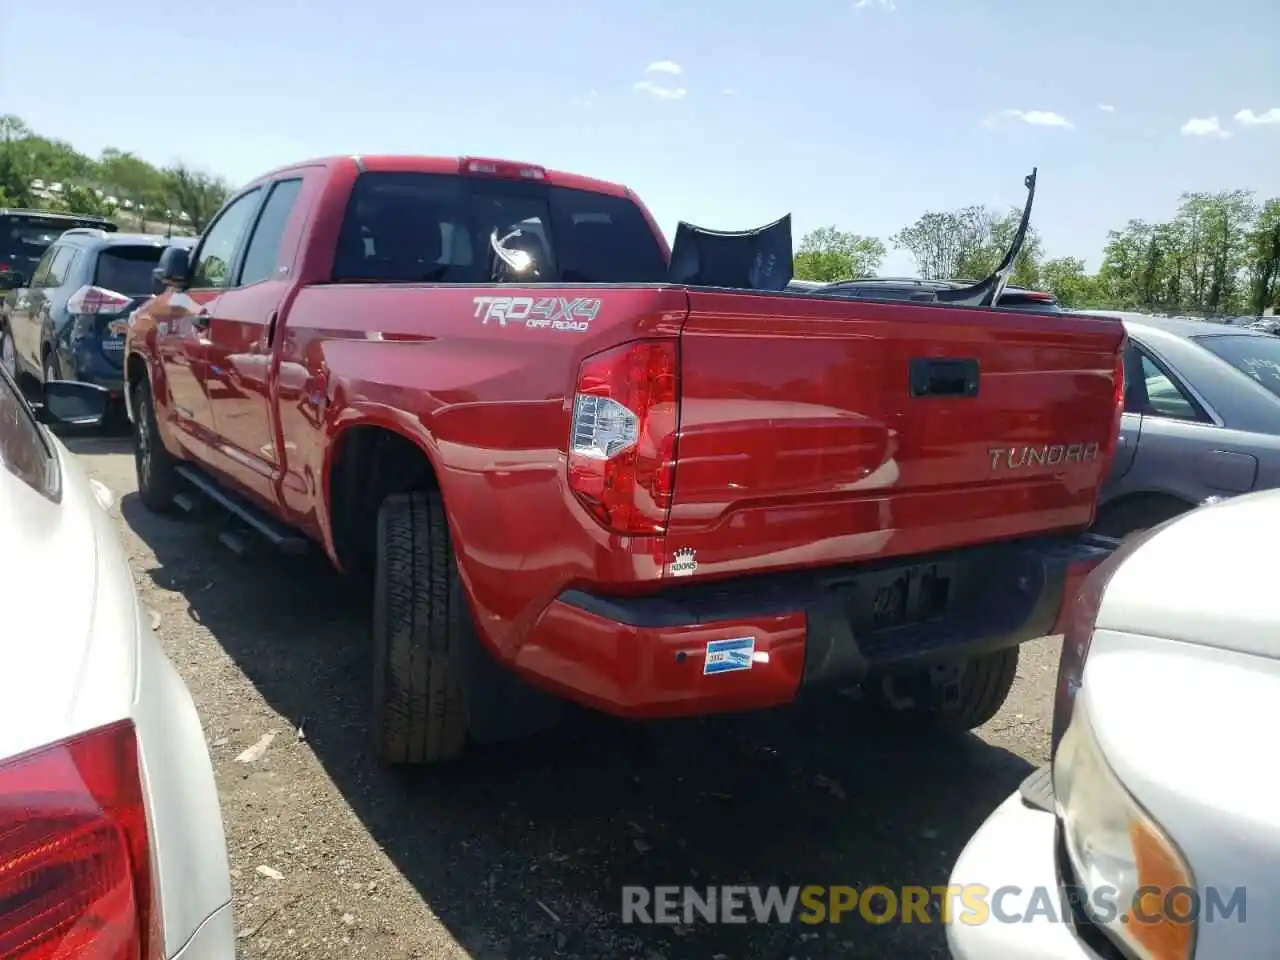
(23, 450)
(1257, 357)
(419, 227)
(127, 269)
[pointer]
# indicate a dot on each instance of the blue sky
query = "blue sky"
(862, 115)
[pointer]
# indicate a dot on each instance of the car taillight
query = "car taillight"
(94, 300)
(75, 861)
(622, 440)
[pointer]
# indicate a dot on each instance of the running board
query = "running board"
(271, 530)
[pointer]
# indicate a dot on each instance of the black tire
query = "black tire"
(158, 479)
(420, 620)
(1137, 513)
(983, 687)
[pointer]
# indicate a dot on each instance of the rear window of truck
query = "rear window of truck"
(437, 228)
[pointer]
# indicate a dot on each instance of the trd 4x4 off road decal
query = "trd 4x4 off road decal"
(555, 313)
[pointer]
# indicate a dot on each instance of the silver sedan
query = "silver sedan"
(1201, 420)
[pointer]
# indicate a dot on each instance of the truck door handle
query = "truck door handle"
(944, 377)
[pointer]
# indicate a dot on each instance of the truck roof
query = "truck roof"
(413, 163)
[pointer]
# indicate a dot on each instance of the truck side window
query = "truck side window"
(263, 254)
(213, 261)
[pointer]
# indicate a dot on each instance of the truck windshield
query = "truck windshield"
(1257, 357)
(422, 227)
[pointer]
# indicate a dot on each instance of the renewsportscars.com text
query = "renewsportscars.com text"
(974, 904)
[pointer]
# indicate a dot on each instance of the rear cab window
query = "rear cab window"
(442, 228)
(1256, 357)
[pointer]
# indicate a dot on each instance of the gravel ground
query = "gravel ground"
(520, 852)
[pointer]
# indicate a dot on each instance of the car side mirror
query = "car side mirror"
(69, 403)
(174, 270)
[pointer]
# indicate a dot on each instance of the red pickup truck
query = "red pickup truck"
(567, 477)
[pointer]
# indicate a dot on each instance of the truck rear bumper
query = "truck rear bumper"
(758, 642)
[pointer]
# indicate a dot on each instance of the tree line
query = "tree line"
(1218, 255)
(117, 184)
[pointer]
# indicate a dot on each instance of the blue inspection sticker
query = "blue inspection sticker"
(726, 656)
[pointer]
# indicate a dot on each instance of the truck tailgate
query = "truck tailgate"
(817, 431)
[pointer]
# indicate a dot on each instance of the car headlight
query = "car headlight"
(1137, 883)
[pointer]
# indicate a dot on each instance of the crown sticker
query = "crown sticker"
(684, 562)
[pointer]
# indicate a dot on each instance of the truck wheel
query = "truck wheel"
(420, 620)
(158, 480)
(976, 695)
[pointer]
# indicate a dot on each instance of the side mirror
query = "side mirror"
(69, 403)
(173, 270)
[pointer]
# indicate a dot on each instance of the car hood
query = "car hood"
(68, 645)
(1205, 578)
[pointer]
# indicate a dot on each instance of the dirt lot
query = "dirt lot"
(520, 853)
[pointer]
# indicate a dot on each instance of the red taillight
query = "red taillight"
(92, 300)
(622, 439)
(482, 167)
(1118, 411)
(75, 863)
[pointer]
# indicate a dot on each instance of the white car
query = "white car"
(111, 837)
(1158, 814)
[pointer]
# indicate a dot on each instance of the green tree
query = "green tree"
(1066, 279)
(940, 242)
(828, 254)
(981, 260)
(86, 200)
(196, 194)
(1262, 255)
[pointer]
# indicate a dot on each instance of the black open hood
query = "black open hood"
(986, 293)
(759, 259)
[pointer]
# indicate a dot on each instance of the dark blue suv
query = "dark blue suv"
(69, 321)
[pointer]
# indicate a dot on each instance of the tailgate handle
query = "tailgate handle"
(946, 377)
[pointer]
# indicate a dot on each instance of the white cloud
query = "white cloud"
(1106, 108)
(886, 4)
(664, 66)
(1204, 127)
(1251, 119)
(1037, 118)
(659, 91)
(729, 92)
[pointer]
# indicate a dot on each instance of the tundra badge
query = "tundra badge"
(1049, 455)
